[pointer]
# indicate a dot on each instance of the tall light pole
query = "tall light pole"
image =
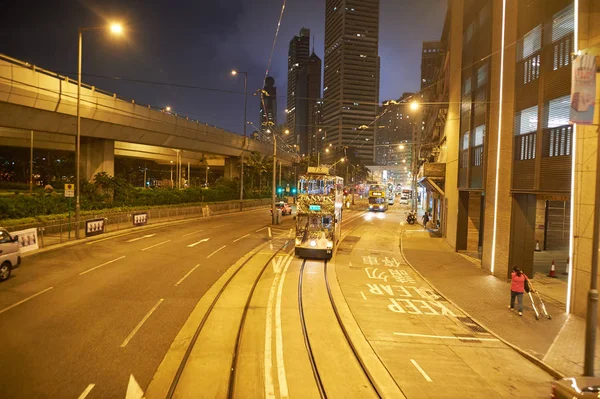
(274, 188)
(234, 73)
(206, 178)
(116, 29)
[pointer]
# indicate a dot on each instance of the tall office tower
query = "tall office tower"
(298, 55)
(308, 93)
(351, 80)
(431, 60)
(268, 105)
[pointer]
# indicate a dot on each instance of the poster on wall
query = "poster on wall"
(28, 239)
(94, 227)
(583, 89)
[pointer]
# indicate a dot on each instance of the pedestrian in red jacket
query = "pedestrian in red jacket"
(517, 288)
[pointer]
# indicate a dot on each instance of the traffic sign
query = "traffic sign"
(69, 190)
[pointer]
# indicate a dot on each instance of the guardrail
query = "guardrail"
(60, 231)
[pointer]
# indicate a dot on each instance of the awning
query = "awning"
(433, 184)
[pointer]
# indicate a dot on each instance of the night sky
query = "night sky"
(198, 42)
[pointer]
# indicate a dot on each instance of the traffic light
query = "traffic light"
(279, 190)
(294, 190)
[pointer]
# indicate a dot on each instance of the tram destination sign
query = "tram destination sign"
(314, 208)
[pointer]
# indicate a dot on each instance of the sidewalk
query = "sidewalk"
(558, 342)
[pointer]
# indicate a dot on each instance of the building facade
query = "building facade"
(518, 176)
(393, 138)
(351, 76)
(298, 55)
(308, 91)
(268, 104)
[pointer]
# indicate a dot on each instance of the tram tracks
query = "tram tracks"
(230, 284)
(358, 379)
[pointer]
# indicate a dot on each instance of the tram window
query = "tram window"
(327, 222)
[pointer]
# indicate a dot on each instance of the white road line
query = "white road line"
(140, 324)
(86, 391)
(104, 264)
(241, 238)
(270, 235)
(187, 274)
(199, 242)
(141, 238)
(155, 245)
(283, 387)
(446, 337)
(193, 232)
(421, 370)
(260, 229)
(25, 300)
(363, 295)
(216, 251)
(269, 385)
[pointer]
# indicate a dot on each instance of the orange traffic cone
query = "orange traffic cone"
(552, 272)
(537, 246)
(566, 272)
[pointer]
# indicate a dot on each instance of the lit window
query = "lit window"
(531, 43)
(557, 112)
(526, 121)
(563, 23)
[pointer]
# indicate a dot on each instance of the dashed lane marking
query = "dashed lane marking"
(242, 237)
(25, 300)
(427, 378)
(156, 245)
(215, 251)
(141, 323)
(86, 391)
(104, 264)
(446, 337)
(187, 274)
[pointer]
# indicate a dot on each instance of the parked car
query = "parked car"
(404, 200)
(577, 387)
(10, 254)
(286, 209)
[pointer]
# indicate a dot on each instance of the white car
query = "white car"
(10, 254)
(403, 201)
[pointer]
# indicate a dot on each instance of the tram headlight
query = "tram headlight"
(329, 244)
(298, 241)
(313, 243)
(380, 206)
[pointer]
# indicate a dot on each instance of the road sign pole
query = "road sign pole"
(69, 218)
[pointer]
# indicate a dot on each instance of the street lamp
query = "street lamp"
(235, 73)
(206, 178)
(116, 29)
(414, 106)
(168, 108)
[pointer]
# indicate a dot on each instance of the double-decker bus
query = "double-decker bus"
(378, 197)
(319, 213)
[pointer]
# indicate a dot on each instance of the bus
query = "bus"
(319, 214)
(378, 198)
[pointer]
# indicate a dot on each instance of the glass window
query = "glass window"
(482, 74)
(465, 141)
(479, 135)
(531, 43)
(467, 87)
(4, 237)
(557, 112)
(526, 121)
(563, 23)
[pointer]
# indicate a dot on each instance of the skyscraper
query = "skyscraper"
(308, 93)
(268, 104)
(298, 54)
(351, 80)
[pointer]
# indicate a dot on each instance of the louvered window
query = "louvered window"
(482, 75)
(526, 121)
(467, 87)
(465, 141)
(479, 135)
(563, 23)
(557, 112)
(531, 43)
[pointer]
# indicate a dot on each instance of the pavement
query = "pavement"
(558, 342)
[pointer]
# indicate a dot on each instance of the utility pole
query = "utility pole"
(31, 164)
(273, 217)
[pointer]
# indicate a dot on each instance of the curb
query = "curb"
(129, 230)
(538, 362)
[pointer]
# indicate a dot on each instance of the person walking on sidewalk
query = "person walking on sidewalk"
(517, 288)
(425, 220)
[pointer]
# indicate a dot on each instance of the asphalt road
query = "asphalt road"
(102, 312)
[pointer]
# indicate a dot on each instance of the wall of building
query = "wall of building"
(452, 127)
(586, 153)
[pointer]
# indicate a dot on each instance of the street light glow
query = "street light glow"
(116, 28)
(286, 131)
(327, 150)
(234, 72)
(400, 147)
(168, 108)
(414, 105)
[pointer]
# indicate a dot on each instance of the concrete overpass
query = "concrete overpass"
(34, 99)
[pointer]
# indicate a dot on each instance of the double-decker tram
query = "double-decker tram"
(378, 198)
(319, 213)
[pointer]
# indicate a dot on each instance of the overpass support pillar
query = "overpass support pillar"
(232, 168)
(97, 155)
